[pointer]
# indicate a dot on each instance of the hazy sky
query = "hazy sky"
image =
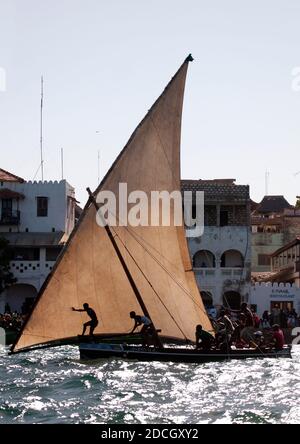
(105, 62)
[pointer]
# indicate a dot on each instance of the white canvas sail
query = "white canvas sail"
(89, 269)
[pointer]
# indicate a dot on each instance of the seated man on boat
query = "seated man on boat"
(204, 340)
(278, 337)
(92, 323)
(258, 341)
(147, 330)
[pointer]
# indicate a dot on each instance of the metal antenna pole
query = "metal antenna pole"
(98, 165)
(62, 163)
(267, 176)
(41, 127)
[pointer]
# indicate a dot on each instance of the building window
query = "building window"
(210, 215)
(232, 300)
(26, 254)
(224, 218)
(204, 259)
(264, 259)
(7, 207)
(232, 259)
(52, 253)
(42, 206)
(282, 305)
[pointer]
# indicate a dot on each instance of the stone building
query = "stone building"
(267, 295)
(285, 263)
(36, 218)
(221, 257)
(274, 223)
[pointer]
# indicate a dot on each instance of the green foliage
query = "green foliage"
(6, 277)
(297, 204)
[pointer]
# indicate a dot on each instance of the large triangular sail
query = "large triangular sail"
(89, 270)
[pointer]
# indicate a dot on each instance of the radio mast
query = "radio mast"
(41, 127)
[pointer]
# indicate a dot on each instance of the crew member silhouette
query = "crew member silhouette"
(91, 313)
(147, 331)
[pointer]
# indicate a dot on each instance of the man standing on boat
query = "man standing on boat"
(225, 330)
(249, 323)
(91, 313)
(248, 315)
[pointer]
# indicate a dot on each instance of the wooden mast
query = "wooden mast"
(127, 272)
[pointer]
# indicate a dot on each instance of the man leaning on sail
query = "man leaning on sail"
(92, 323)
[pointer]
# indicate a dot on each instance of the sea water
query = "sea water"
(54, 386)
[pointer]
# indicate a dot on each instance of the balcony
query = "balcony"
(205, 271)
(227, 272)
(232, 272)
(30, 269)
(11, 217)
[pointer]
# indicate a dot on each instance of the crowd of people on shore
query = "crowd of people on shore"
(285, 318)
(11, 320)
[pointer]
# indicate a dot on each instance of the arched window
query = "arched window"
(204, 259)
(206, 299)
(232, 300)
(232, 259)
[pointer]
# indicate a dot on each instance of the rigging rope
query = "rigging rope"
(134, 235)
(134, 260)
(179, 284)
(169, 273)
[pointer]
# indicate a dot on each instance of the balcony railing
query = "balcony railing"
(229, 272)
(232, 271)
(11, 217)
(205, 271)
(24, 269)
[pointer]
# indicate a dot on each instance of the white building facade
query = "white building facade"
(36, 218)
(221, 257)
(265, 295)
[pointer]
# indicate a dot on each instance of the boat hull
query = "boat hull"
(90, 351)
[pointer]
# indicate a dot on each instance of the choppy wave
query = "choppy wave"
(54, 386)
